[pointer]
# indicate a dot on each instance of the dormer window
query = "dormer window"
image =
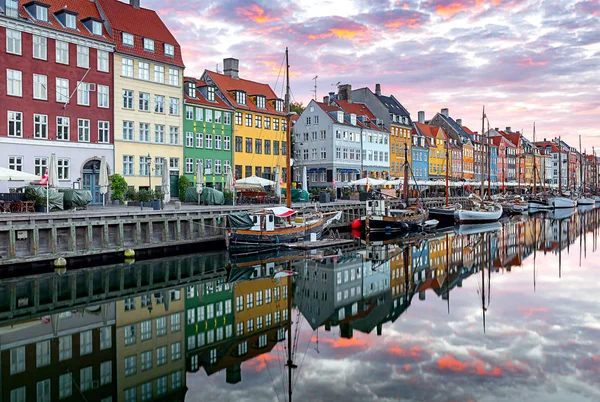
(240, 97)
(261, 102)
(191, 89)
(148, 45)
(97, 28)
(278, 105)
(41, 13)
(70, 21)
(210, 93)
(169, 50)
(12, 8)
(127, 39)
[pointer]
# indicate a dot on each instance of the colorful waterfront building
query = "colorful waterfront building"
(420, 154)
(207, 129)
(436, 141)
(505, 169)
(260, 144)
(56, 86)
(147, 94)
(468, 155)
(460, 142)
(493, 174)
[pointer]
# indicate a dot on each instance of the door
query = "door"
(174, 185)
(91, 177)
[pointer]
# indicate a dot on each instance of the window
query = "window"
(131, 394)
(85, 343)
(159, 74)
(83, 56)
(43, 391)
(65, 386)
(238, 118)
(83, 130)
(240, 98)
(42, 353)
(249, 300)
(65, 350)
(248, 120)
(173, 77)
(103, 94)
(258, 121)
(70, 21)
(208, 141)
(96, 28)
(275, 124)
(267, 123)
(169, 50)
(260, 102)
(218, 166)
(144, 101)
(83, 93)
(259, 322)
(130, 365)
(217, 142)
(128, 130)
(227, 118)
(250, 325)
(127, 39)
(146, 360)
(103, 132)
(40, 47)
(62, 90)
(174, 106)
(176, 351)
(262, 341)
(159, 104)
(62, 52)
(127, 99)
(189, 112)
(14, 81)
(105, 373)
(15, 163)
(13, 42)
(129, 334)
(174, 164)
(209, 116)
(105, 338)
(268, 296)
(258, 146)
(40, 126)
(148, 45)
(159, 134)
(175, 322)
(189, 165)
(85, 379)
(218, 117)
(146, 330)
(275, 147)
(143, 71)
(40, 166)
(41, 13)
(243, 348)
(127, 68)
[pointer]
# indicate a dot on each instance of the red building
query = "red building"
(505, 148)
(56, 80)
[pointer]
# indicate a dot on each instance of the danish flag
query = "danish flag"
(44, 178)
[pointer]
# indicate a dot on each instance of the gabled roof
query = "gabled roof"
(200, 99)
(468, 130)
(430, 131)
(83, 8)
(141, 23)
(228, 84)
(498, 139)
(458, 129)
(360, 109)
(544, 144)
(394, 106)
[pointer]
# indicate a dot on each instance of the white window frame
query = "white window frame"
(127, 66)
(103, 59)
(14, 82)
(16, 118)
(127, 39)
(103, 132)
(40, 87)
(83, 93)
(14, 42)
(40, 47)
(83, 130)
(83, 56)
(103, 96)
(159, 74)
(62, 96)
(62, 52)
(40, 126)
(169, 50)
(143, 70)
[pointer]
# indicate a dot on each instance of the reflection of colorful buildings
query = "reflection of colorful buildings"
(66, 356)
(150, 346)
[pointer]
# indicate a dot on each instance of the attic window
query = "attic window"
(210, 94)
(240, 97)
(260, 102)
(96, 28)
(169, 50)
(12, 8)
(41, 13)
(279, 105)
(127, 39)
(148, 45)
(191, 88)
(70, 21)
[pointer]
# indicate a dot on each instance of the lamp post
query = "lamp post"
(149, 160)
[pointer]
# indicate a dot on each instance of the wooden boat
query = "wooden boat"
(538, 203)
(273, 227)
(482, 212)
(561, 201)
(380, 217)
(444, 215)
(586, 200)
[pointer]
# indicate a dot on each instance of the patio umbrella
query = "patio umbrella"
(103, 179)
(229, 181)
(277, 183)
(166, 185)
(16, 175)
(256, 180)
(304, 179)
(52, 179)
(199, 180)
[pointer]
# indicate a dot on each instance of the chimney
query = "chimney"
(497, 128)
(459, 122)
(378, 89)
(231, 67)
(445, 112)
(134, 3)
(508, 129)
(326, 100)
(422, 117)
(345, 92)
(332, 95)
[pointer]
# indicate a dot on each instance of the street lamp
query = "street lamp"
(149, 159)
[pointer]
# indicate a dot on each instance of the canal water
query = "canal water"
(499, 312)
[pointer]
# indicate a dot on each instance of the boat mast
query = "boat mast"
(481, 151)
(288, 117)
(447, 273)
(534, 164)
(447, 144)
(581, 170)
(406, 173)
(489, 163)
(559, 167)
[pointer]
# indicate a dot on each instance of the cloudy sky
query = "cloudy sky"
(526, 60)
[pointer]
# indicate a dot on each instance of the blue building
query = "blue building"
(420, 154)
(493, 163)
(420, 263)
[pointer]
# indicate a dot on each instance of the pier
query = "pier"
(39, 238)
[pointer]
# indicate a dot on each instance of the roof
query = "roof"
(498, 139)
(141, 23)
(200, 97)
(228, 84)
(468, 130)
(430, 131)
(360, 109)
(83, 8)
(545, 144)
(458, 129)
(393, 105)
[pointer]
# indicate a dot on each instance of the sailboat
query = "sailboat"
(584, 199)
(273, 227)
(536, 202)
(560, 200)
(597, 195)
(482, 211)
(445, 214)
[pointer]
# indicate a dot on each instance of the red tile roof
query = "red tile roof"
(360, 110)
(328, 108)
(468, 130)
(83, 8)
(498, 139)
(226, 84)
(544, 144)
(200, 98)
(141, 23)
(430, 131)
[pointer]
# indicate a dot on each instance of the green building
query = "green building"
(207, 131)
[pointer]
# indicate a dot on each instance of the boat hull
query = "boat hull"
(470, 216)
(386, 224)
(586, 201)
(538, 205)
(444, 216)
(561, 202)
(248, 240)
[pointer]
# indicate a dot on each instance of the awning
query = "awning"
(316, 170)
(281, 212)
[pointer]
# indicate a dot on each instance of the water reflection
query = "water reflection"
(486, 310)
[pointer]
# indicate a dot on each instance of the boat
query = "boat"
(270, 228)
(444, 215)
(380, 217)
(586, 200)
(561, 201)
(429, 225)
(513, 205)
(470, 229)
(538, 203)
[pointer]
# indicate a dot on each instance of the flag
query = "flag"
(44, 178)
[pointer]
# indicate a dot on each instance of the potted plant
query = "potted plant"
(146, 197)
(132, 197)
(32, 194)
(118, 187)
(228, 197)
(182, 185)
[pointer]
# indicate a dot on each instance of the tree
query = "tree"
(297, 107)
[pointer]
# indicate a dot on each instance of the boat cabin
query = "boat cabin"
(263, 222)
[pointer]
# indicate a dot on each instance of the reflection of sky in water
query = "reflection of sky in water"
(538, 346)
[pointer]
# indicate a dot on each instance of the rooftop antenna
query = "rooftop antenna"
(315, 90)
(217, 68)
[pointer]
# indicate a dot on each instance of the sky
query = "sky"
(526, 60)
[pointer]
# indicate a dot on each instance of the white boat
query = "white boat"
(586, 201)
(475, 229)
(559, 214)
(597, 199)
(561, 202)
(480, 213)
(429, 225)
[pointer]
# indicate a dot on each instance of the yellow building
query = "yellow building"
(260, 143)
(148, 96)
(150, 346)
(436, 139)
(400, 137)
(400, 274)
